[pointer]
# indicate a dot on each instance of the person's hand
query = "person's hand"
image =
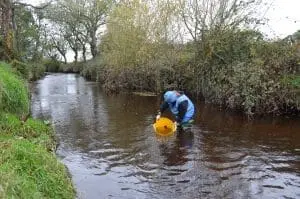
(158, 115)
(177, 124)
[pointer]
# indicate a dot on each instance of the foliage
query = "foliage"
(26, 34)
(71, 67)
(209, 47)
(135, 33)
(20, 68)
(28, 167)
(123, 31)
(52, 65)
(76, 24)
(295, 81)
(36, 70)
(136, 46)
(296, 35)
(93, 69)
(28, 71)
(14, 95)
(225, 63)
(249, 78)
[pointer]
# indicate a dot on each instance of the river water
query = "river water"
(108, 144)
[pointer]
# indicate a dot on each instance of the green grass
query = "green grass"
(33, 130)
(296, 81)
(13, 92)
(28, 166)
(292, 80)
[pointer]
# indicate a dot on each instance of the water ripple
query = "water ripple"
(108, 145)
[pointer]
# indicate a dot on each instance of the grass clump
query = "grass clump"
(28, 168)
(13, 92)
(33, 130)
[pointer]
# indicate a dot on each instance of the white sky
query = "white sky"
(284, 18)
(283, 15)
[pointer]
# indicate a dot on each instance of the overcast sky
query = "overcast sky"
(284, 18)
(283, 15)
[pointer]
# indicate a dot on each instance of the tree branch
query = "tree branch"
(32, 6)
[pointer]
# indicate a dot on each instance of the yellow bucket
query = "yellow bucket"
(164, 126)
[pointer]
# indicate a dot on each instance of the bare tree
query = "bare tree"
(199, 16)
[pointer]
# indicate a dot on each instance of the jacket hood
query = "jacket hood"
(170, 96)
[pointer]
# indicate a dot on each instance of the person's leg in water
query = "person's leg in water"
(186, 126)
(185, 137)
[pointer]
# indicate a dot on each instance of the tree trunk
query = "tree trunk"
(62, 53)
(7, 32)
(84, 52)
(93, 42)
(76, 55)
(65, 59)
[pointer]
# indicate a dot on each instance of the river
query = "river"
(108, 144)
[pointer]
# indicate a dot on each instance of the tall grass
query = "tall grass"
(13, 92)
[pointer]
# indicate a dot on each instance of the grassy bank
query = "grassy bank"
(28, 166)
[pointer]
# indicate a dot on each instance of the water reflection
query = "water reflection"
(107, 142)
(177, 153)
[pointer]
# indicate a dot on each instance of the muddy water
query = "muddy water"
(108, 145)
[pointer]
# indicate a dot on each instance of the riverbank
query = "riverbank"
(28, 165)
(234, 68)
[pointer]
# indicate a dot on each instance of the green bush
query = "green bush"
(70, 67)
(21, 69)
(28, 71)
(242, 71)
(231, 67)
(52, 65)
(91, 69)
(13, 94)
(37, 70)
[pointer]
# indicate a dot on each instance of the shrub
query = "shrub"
(52, 65)
(20, 68)
(37, 70)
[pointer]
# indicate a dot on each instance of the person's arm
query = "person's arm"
(182, 108)
(164, 106)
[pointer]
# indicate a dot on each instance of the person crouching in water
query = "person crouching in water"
(181, 107)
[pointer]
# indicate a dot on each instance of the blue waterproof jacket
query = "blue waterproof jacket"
(174, 100)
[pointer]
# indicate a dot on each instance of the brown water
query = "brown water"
(108, 144)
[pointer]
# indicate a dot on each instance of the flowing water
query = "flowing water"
(107, 143)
